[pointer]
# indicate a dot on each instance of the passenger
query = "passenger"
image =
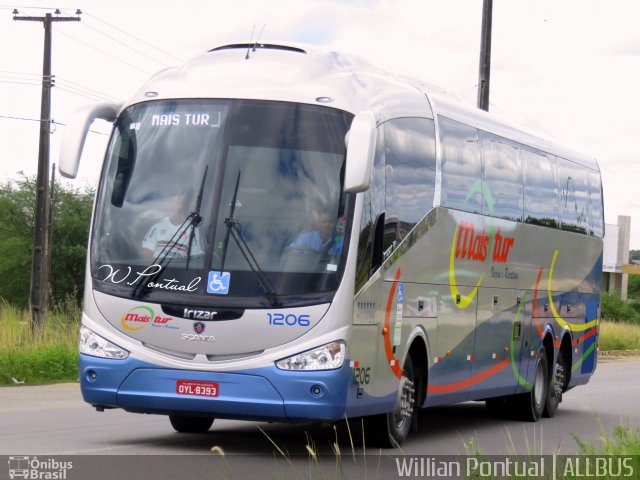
(320, 239)
(162, 235)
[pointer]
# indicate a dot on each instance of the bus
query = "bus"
(285, 233)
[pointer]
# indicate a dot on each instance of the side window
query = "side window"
(596, 217)
(377, 177)
(574, 196)
(365, 242)
(410, 172)
(540, 188)
(369, 256)
(502, 178)
(461, 166)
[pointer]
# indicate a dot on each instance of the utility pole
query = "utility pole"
(52, 206)
(485, 56)
(41, 252)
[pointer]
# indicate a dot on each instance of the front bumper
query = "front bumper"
(258, 394)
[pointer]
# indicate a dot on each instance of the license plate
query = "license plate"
(199, 389)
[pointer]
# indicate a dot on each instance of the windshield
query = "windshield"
(223, 202)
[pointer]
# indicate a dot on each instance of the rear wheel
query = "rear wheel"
(190, 424)
(390, 430)
(556, 386)
(530, 405)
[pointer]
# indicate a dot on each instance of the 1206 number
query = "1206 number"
(361, 375)
(289, 319)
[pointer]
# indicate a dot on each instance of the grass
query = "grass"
(46, 357)
(619, 336)
(618, 451)
(52, 355)
(625, 440)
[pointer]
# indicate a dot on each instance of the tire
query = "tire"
(390, 430)
(530, 405)
(190, 424)
(556, 386)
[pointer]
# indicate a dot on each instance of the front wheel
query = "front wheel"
(390, 430)
(190, 424)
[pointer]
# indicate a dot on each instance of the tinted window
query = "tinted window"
(410, 173)
(377, 177)
(461, 166)
(596, 220)
(373, 206)
(365, 242)
(502, 177)
(540, 191)
(574, 196)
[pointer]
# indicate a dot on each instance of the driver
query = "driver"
(162, 235)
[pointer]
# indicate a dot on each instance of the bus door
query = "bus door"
(452, 351)
(498, 342)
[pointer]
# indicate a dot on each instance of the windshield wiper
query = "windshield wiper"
(234, 229)
(196, 219)
(164, 257)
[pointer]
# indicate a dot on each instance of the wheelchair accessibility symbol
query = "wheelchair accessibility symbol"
(218, 282)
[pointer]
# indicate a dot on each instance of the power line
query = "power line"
(19, 83)
(81, 94)
(21, 73)
(13, 75)
(23, 6)
(105, 53)
(81, 88)
(127, 46)
(66, 88)
(10, 117)
(134, 37)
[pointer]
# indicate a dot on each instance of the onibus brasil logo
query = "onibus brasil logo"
(33, 468)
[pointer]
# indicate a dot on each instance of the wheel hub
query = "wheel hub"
(405, 402)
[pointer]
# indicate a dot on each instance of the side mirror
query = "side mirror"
(361, 147)
(75, 134)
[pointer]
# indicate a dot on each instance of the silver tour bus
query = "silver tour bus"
(289, 234)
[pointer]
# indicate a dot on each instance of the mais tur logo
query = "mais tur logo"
(139, 317)
(476, 246)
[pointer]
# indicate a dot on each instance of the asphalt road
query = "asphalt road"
(53, 420)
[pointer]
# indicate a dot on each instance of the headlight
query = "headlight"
(326, 357)
(93, 344)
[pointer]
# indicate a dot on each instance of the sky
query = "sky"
(568, 68)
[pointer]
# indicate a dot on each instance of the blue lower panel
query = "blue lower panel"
(265, 393)
(155, 389)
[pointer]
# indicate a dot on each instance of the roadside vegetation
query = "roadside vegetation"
(624, 440)
(48, 357)
(51, 354)
(619, 336)
(620, 327)
(618, 452)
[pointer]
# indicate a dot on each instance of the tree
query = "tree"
(72, 215)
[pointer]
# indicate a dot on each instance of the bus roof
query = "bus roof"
(306, 74)
(289, 72)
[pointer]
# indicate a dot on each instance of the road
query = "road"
(53, 420)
